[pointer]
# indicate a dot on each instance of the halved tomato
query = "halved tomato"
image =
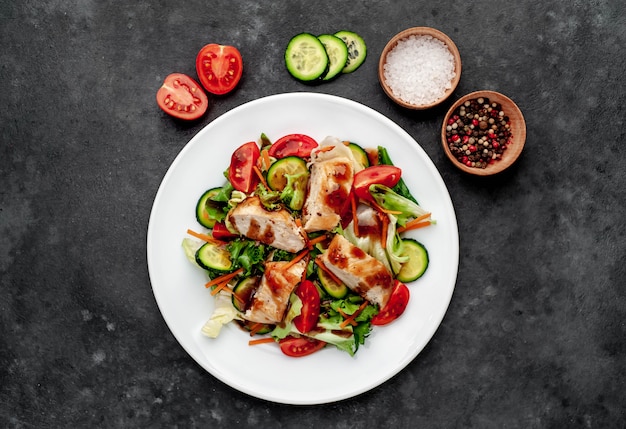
(310, 297)
(293, 145)
(241, 172)
(300, 346)
(182, 97)
(387, 175)
(396, 305)
(219, 68)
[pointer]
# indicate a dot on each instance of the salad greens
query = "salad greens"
(343, 322)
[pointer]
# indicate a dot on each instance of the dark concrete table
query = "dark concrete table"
(535, 334)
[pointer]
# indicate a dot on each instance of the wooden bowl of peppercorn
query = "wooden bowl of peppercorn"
(483, 133)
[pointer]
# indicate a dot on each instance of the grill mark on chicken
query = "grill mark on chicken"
(361, 272)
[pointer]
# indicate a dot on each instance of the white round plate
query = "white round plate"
(262, 370)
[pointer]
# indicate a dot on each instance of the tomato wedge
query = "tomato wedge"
(395, 306)
(241, 172)
(387, 175)
(182, 97)
(310, 297)
(300, 346)
(220, 232)
(293, 145)
(219, 68)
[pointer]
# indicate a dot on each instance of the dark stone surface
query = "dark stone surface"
(535, 334)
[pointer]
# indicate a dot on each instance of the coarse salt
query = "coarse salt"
(419, 69)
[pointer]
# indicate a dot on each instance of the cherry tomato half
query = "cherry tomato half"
(300, 346)
(241, 172)
(293, 145)
(220, 232)
(395, 306)
(182, 97)
(219, 68)
(310, 297)
(387, 175)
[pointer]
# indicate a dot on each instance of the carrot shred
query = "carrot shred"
(385, 227)
(220, 286)
(261, 178)
(299, 224)
(314, 241)
(418, 222)
(414, 226)
(350, 320)
(261, 341)
(296, 259)
(225, 278)
(347, 319)
(205, 237)
(327, 271)
(355, 220)
(256, 328)
(265, 156)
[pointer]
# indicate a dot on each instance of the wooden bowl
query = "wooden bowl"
(517, 139)
(420, 31)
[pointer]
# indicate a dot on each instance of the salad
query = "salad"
(303, 243)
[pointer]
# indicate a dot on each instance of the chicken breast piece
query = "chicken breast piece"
(275, 228)
(271, 299)
(361, 272)
(332, 174)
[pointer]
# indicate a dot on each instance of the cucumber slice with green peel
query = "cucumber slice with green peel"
(276, 174)
(417, 264)
(357, 51)
(243, 291)
(306, 58)
(359, 154)
(214, 257)
(331, 287)
(202, 208)
(337, 52)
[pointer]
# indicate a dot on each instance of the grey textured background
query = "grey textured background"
(535, 334)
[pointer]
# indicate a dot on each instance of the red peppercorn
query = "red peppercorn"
(472, 148)
(455, 137)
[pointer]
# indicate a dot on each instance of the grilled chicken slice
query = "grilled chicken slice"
(275, 228)
(271, 299)
(361, 272)
(332, 174)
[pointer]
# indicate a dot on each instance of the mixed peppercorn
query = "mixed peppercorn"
(478, 132)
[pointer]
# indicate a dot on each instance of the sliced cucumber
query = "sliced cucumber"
(202, 208)
(254, 326)
(276, 174)
(359, 154)
(415, 267)
(337, 52)
(357, 51)
(243, 291)
(214, 257)
(306, 58)
(290, 176)
(331, 287)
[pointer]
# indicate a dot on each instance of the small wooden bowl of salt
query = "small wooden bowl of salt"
(419, 68)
